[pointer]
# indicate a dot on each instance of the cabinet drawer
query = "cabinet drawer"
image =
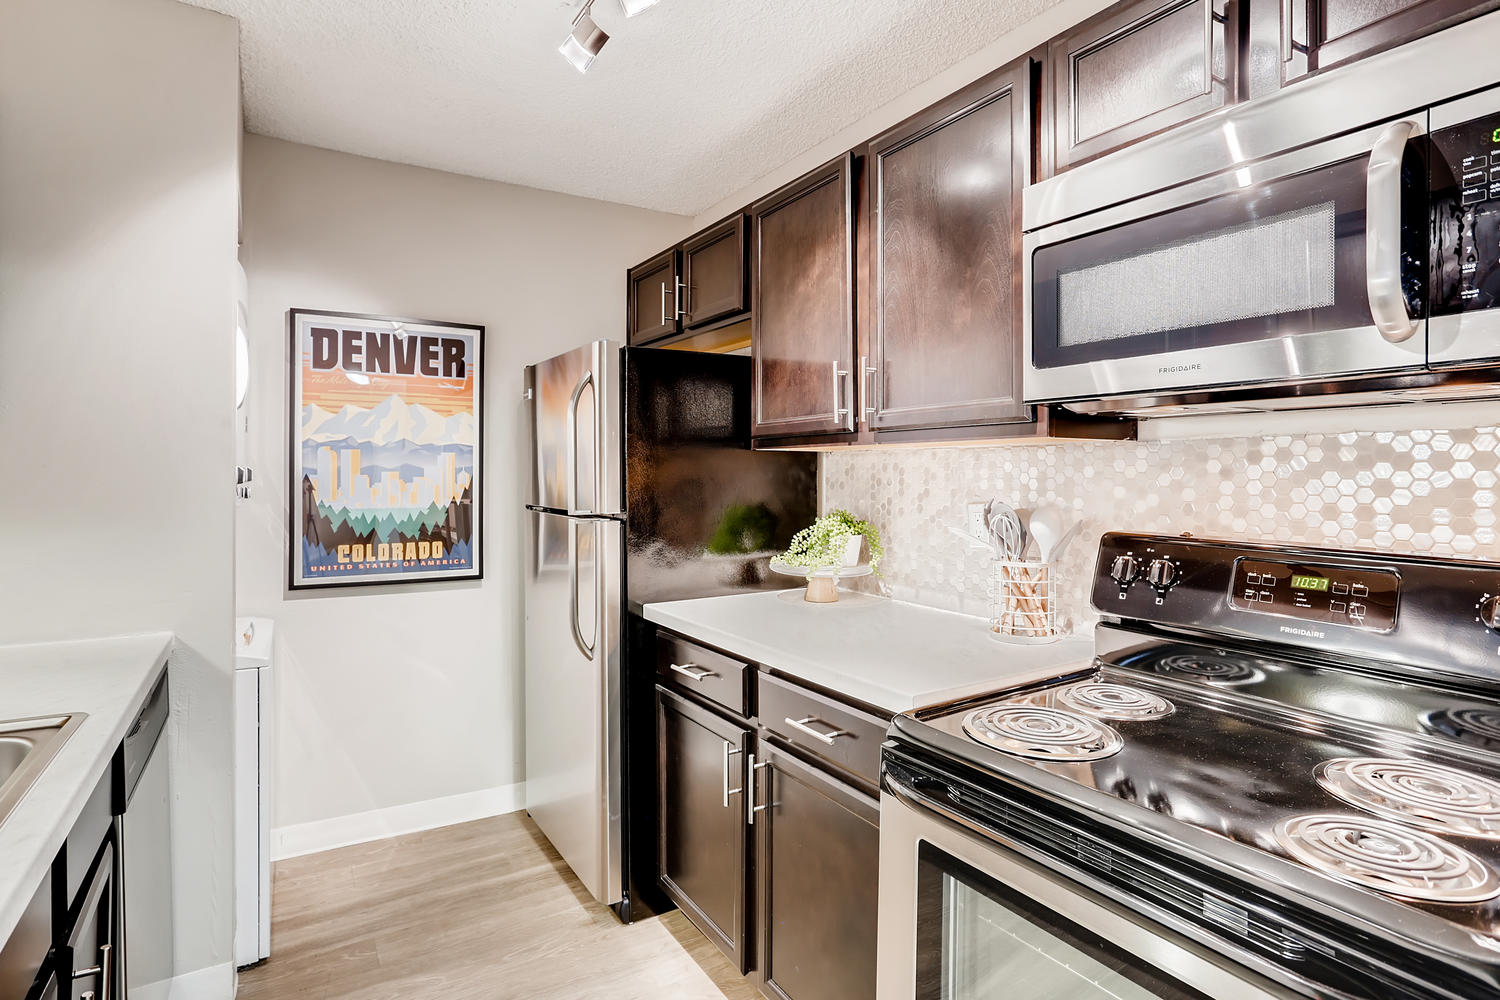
(688, 666)
(838, 733)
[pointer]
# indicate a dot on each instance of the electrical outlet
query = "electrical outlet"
(975, 524)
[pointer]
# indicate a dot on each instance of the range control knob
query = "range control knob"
(1124, 570)
(1489, 613)
(1161, 573)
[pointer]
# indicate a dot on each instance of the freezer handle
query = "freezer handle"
(572, 443)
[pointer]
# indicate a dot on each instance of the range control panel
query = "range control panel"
(1309, 592)
(1441, 616)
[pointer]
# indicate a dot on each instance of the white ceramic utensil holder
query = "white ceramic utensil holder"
(1023, 601)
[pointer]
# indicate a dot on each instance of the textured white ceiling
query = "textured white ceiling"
(689, 101)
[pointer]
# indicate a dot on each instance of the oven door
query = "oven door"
(1298, 268)
(964, 918)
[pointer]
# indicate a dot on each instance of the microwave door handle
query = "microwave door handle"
(1383, 233)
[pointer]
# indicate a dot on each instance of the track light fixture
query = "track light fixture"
(585, 41)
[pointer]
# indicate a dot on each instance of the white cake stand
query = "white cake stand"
(822, 584)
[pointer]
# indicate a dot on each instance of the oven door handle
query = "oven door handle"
(910, 795)
(1383, 233)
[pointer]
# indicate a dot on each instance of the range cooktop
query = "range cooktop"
(1344, 764)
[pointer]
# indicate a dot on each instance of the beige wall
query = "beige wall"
(395, 696)
(120, 124)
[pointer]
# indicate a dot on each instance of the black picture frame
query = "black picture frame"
(298, 479)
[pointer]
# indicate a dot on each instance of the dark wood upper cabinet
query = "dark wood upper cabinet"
(654, 299)
(701, 816)
(714, 273)
(1292, 38)
(802, 303)
(1137, 69)
(945, 244)
(817, 858)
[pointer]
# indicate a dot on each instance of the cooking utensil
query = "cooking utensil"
(1006, 528)
(1047, 526)
(984, 543)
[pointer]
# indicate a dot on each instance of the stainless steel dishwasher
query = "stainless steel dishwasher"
(144, 861)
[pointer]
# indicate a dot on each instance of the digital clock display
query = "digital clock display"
(1300, 582)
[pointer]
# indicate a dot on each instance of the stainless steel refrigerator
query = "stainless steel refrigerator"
(643, 487)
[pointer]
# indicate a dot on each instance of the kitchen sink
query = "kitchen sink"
(26, 747)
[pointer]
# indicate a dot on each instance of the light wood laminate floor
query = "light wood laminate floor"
(480, 910)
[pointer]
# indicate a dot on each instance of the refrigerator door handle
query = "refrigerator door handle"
(584, 646)
(572, 442)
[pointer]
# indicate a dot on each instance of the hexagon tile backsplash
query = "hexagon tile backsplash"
(1422, 491)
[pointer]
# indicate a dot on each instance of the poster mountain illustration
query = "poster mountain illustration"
(393, 420)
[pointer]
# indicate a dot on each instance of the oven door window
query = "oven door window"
(1282, 258)
(978, 939)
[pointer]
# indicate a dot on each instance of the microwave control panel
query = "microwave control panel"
(1464, 187)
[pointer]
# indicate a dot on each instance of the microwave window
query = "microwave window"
(1275, 261)
(1282, 264)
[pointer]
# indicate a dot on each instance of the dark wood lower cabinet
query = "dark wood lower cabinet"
(770, 847)
(702, 821)
(817, 854)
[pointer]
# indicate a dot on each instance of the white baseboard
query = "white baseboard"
(377, 824)
(159, 990)
(217, 982)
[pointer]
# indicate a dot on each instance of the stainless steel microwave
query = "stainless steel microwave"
(1338, 242)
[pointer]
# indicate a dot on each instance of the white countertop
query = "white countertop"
(886, 653)
(107, 678)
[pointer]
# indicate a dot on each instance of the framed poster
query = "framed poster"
(385, 450)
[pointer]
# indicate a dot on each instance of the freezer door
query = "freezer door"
(575, 420)
(574, 768)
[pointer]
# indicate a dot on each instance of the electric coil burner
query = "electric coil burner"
(1478, 727)
(1115, 701)
(1389, 858)
(1282, 766)
(1433, 797)
(1043, 733)
(1216, 668)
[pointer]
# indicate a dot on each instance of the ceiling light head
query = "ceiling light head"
(634, 7)
(585, 41)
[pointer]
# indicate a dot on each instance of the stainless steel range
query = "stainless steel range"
(1280, 777)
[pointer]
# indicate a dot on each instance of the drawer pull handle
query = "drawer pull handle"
(804, 725)
(692, 670)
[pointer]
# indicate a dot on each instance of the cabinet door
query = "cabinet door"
(1317, 34)
(87, 961)
(802, 298)
(945, 193)
(713, 273)
(817, 860)
(1135, 70)
(655, 299)
(701, 818)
